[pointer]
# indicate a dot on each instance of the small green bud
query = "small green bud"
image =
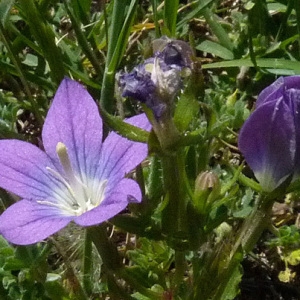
(207, 189)
(231, 100)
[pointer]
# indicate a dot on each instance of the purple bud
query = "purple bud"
(158, 80)
(270, 138)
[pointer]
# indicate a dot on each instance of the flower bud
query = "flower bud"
(158, 80)
(207, 189)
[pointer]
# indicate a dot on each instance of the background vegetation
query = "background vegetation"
(240, 47)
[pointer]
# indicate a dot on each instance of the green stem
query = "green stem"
(118, 36)
(106, 249)
(180, 265)
(174, 215)
(107, 91)
(70, 273)
(87, 263)
(112, 264)
(247, 237)
(253, 226)
(215, 274)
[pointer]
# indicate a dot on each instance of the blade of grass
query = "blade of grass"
(154, 8)
(83, 42)
(217, 28)
(196, 9)
(271, 63)
(118, 36)
(45, 37)
(5, 7)
(170, 16)
(297, 9)
(17, 63)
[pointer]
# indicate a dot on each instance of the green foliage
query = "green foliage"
(288, 237)
(177, 251)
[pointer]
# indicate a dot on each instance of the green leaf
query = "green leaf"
(215, 49)
(271, 63)
(44, 35)
(276, 7)
(217, 28)
(12, 264)
(126, 130)
(294, 258)
(197, 7)
(5, 7)
(186, 109)
(170, 15)
(232, 287)
(54, 287)
(31, 60)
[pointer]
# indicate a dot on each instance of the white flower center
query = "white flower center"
(77, 195)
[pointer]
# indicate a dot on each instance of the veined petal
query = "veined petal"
(292, 82)
(294, 95)
(73, 119)
(27, 222)
(126, 191)
(120, 155)
(268, 142)
(23, 170)
(277, 89)
(271, 92)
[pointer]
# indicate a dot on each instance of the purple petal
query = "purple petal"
(271, 93)
(292, 82)
(140, 121)
(23, 170)
(267, 140)
(294, 96)
(126, 191)
(74, 120)
(27, 222)
(137, 84)
(119, 155)
(277, 89)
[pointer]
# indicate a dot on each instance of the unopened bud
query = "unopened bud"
(207, 189)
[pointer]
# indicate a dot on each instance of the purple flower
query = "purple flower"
(270, 138)
(78, 178)
(158, 80)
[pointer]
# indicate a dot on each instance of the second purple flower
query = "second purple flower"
(270, 138)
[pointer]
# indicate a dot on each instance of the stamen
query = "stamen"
(75, 185)
(74, 196)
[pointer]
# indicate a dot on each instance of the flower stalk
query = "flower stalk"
(87, 263)
(220, 266)
(174, 215)
(112, 263)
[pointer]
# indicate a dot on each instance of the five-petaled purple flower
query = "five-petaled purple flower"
(157, 81)
(78, 178)
(270, 138)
